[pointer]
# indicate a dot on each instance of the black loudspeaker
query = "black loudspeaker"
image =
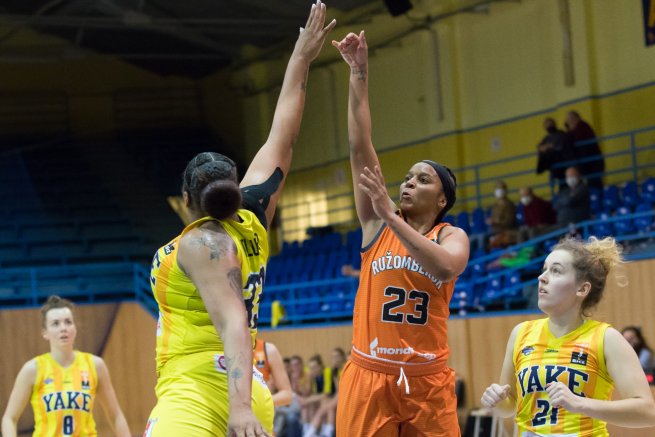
(398, 7)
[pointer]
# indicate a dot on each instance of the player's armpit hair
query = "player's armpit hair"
(257, 197)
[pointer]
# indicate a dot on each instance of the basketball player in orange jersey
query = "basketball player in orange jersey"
(559, 372)
(397, 382)
(268, 362)
(63, 384)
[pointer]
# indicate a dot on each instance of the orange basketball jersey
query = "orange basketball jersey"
(401, 311)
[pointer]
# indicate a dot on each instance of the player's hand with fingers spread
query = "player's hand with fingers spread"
(561, 397)
(372, 183)
(243, 423)
(312, 36)
(494, 394)
(353, 50)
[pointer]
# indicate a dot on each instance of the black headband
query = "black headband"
(449, 184)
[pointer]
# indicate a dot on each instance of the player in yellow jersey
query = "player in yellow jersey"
(63, 384)
(559, 373)
(208, 280)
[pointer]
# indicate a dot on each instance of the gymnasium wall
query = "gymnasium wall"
(470, 88)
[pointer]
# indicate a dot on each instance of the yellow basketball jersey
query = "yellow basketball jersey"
(184, 326)
(575, 359)
(63, 398)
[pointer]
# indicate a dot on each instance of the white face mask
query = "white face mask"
(526, 200)
(499, 193)
(571, 181)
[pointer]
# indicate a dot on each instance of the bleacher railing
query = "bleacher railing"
(84, 283)
(110, 282)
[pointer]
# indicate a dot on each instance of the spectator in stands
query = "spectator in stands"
(288, 420)
(503, 218)
(53, 376)
(300, 383)
(538, 215)
(634, 336)
(269, 363)
(326, 413)
(590, 158)
(572, 203)
(276, 373)
(555, 148)
(320, 386)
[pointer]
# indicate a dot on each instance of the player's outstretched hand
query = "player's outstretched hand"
(312, 36)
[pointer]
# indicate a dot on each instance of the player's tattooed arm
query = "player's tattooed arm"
(209, 257)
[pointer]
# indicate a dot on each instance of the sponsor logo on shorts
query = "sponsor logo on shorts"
(219, 363)
(381, 350)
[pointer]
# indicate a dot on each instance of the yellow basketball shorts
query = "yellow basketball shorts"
(192, 398)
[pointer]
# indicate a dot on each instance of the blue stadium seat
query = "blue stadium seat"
(603, 228)
(449, 218)
(354, 239)
(492, 291)
(479, 224)
(463, 221)
(630, 194)
(513, 286)
(626, 226)
(520, 214)
(596, 200)
(648, 189)
(610, 198)
(644, 224)
(463, 297)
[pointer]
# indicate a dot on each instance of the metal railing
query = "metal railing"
(110, 282)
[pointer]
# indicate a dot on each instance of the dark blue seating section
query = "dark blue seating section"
(55, 211)
(307, 278)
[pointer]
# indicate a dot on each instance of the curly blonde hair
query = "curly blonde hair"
(593, 260)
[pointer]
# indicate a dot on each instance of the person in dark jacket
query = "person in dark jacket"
(555, 148)
(591, 162)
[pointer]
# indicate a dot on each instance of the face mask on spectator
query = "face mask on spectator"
(571, 181)
(526, 199)
(499, 193)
